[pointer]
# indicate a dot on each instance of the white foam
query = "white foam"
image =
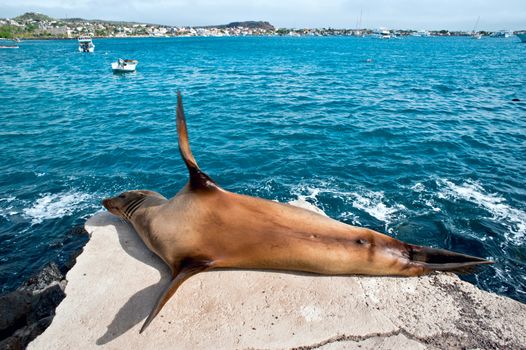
(418, 187)
(7, 199)
(373, 203)
(471, 191)
(425, 197)
(302, 200)
(431, 204)
(350, 216)
(52, 206)
(6, 209)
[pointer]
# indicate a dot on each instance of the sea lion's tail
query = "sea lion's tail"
(198, 179)
(433, 259)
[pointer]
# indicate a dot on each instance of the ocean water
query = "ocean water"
(417, 137)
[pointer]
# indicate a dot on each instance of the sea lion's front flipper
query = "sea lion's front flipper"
(198, 179)
(188, 269)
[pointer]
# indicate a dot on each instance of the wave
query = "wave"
(7, 199)
(474, 192)
(57, 205)
(375, 204)
(302, 200)
(6, 207)
(424, 197)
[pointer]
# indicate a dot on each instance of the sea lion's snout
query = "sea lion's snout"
(109, 204)
(106, 203)
(115, 204)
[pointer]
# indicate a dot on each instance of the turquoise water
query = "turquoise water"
(417, 137)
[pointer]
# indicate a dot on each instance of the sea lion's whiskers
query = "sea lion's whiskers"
(132, 207)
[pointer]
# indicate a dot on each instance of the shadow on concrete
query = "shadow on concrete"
(137, 308)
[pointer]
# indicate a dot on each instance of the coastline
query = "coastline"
(487, 192)
(223, 36)
(253, 309)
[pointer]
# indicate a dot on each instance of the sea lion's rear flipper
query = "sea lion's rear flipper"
(187, 270)
(434, 259)
(198, 179)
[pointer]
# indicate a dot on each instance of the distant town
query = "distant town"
(38, 26)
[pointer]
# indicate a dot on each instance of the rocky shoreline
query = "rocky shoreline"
(29, 310)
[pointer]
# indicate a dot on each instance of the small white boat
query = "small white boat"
(122, 66)
(86, 44)
(502, 34)
(385, 34)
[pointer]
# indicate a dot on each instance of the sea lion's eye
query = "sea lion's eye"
(122, 196)
(361, 241)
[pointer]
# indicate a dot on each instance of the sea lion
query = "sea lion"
(205, 227)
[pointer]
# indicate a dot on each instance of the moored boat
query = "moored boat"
(385, 34)
(123, 66)
(521, 36)
(86, 44)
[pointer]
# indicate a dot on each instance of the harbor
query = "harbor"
(39, 26)
(417, 134)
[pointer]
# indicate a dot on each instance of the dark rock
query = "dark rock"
(11, 343)
(76, 234)
(15, 306)
(28, 311)
(73, 259)
(78, 231)
(29, 333)
(40, 281)
(43, 305)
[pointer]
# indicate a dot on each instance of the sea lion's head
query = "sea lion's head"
(126, 204)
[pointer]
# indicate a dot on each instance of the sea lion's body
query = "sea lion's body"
(249, 232)
(205, 227)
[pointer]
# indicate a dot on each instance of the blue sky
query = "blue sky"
(401, 14)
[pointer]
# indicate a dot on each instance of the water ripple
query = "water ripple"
(424, 142)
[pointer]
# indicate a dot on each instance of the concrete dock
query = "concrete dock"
(116, 281)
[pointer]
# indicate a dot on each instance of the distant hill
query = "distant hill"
(38, 17)
(252, 25)
(102, 21)
(28, 16)
(246, 24)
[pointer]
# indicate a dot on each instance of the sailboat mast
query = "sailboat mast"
(476, 24)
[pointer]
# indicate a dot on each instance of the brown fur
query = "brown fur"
(205, 227)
